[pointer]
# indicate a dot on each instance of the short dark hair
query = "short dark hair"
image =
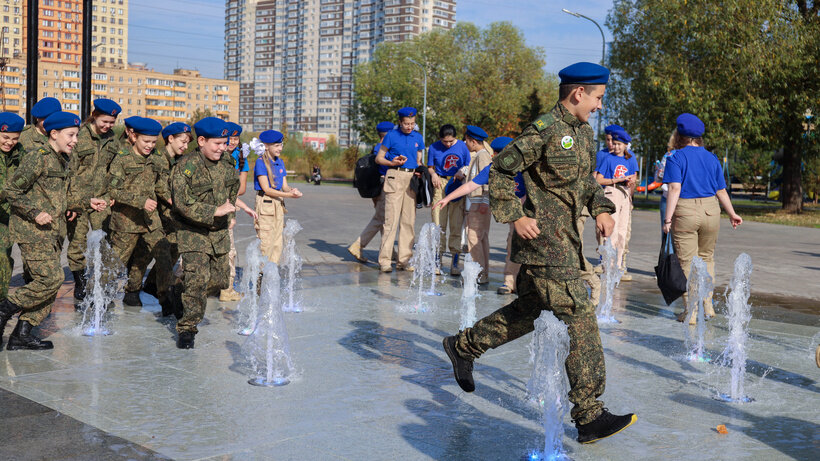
(679, 141)
(446, 130)
(565, 90)
(401, 119)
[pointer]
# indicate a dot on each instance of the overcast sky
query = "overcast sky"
(190, 33)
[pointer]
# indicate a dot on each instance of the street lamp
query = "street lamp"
(603, 58)
(424, 108)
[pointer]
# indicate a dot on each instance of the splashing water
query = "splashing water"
(548, 385)
(610, 279)
(425, 260)
(469, 294)
(105, 274)
(248, 306)
(268, 347)
(700, 285)
(293, 265)
(740, 313)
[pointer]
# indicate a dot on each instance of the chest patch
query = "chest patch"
(567, 142)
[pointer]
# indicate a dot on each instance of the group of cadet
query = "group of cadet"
(62, 177)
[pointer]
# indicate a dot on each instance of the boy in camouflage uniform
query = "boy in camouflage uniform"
(556, 156)
(204, 190)
(10, 127)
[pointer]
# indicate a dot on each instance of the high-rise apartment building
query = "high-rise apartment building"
(294, 59)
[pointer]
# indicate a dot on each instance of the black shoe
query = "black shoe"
(79, 285)
(185, 340)
(604, 426)
(132, 298)
(175, 302)
(167, 305)
(150, 286)
(21, 338)
(7, 311)
(462, 368)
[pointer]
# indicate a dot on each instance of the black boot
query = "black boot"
(462, 368)
(185, 340)
(150, 285)
(7, 310)
(79, 285)
(605, 425)
(132, 298)
(167, 303)
(21, 338)
(174, 302)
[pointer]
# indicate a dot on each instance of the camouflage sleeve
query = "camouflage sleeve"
(186, 203)
(596, 202)
(120, 188)
(14, 191)
(519, 155)
(5, 209)
(161, 189)
(234, 192)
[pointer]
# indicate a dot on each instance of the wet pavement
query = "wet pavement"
(374, 383)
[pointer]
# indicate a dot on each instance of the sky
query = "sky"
(190, 33)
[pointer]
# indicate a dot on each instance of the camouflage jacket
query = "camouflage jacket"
(40, 184)
(9, 161)
(162, 158)
(31, 139)
(557, 156)
(90, 160)
(135, 179)
(198, 187)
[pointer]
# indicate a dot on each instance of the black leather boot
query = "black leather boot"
(132, 298)
(21, 338)
(79, 285)
(7, 310)
(185, 340)
(150, 285)
(167, 303)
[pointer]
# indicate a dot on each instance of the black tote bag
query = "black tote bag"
(671, 279)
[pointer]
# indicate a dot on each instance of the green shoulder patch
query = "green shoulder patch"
(123, 152)
(543, 122)
(43, 151)
(189, 169)
(509, 159)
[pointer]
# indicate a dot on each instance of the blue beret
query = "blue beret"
(45, 107)
(60, 120)
(175, 128)
(476, 133)
(584, 72)
(384, 127)
(144, 125)
(500, 142)
(610, 128)
(107, 107)
(407, 112)
(233, 129)
(271, 137)
(690, 126)
(211, 127)
(11, 122)
(621, 135)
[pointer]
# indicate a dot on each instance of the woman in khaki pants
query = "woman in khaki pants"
(697, 190)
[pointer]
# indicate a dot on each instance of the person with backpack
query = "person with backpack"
(369, 178)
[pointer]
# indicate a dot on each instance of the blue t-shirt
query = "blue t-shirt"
(614, 167)
(277, 168)
(600, 157)
(382, 168)
(697, 170)
(520, 188)
(483, 178)
(236, 154)
(397, 143)
(448, 160)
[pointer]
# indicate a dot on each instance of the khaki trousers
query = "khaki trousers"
(376, 224)
(399, 215)
(269, 226)
(622, 216)
(695, 227)
(510, 268)
(478, 239)
(450, 217)
(588, 270)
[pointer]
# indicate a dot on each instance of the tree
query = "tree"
(475, 76)
(752, 169)
(747, 69)
(198, 115)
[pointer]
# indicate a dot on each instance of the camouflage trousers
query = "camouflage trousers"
(42, 261)
(164, 253)
(78, 236)
(148, 245)
(568, 300)
(204, 274)
(6, 267)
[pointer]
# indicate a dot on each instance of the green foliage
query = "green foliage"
(350, 155)
(747, 69)
(475, 77)
(752, 169)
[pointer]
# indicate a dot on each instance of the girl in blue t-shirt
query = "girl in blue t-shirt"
(271, 185)
(618, 173)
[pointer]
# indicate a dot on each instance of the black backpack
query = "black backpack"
(367, 177)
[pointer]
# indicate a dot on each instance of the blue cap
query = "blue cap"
(584, 72)
(45, 107)
(407, 112)
(271, 137)
(621, 135)
(143, 125)
(690, 126)
(175, 128)
(11, 123)
(59, 120)
(452, 185)
(107, 107)
(500, 142)
(610, 128)
(384, 127)
(211, 127)
(233, 129)
(476, 133)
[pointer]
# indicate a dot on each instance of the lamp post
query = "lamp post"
(603, 58)
(424, 108)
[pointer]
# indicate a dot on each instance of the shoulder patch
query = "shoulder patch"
(509, 160)
(543, 122)
(43, 151)
(189, 169)
(123, 152)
